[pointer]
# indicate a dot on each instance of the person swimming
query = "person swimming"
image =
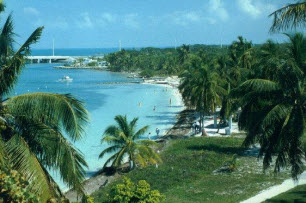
(154, 108)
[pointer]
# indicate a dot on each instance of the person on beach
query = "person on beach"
(194, 127)
(157, 132)
(197, 126)
(149, 136)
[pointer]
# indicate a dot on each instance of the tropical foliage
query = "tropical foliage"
(15, 188)
(290, 16)
(124, 142)
(33, 125)
(273, 106)
(128, 191)
(155, 61)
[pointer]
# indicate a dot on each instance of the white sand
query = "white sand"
(276, 190)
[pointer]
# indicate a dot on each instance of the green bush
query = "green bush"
(15, 188)
(147, 73)
(129, 192)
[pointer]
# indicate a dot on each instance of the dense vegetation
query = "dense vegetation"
(267, 82)
(127, 192)
(187, 173)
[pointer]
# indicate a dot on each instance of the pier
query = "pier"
(48, 59)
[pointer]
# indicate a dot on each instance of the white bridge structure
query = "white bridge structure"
(49, 59)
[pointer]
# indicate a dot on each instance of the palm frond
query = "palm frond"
(290, 16)
(23, 160)
(63, 110)
(108, 150)
(11, 70)
(140, 132)
(6, 39)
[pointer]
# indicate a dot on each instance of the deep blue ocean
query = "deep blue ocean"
(103, 102)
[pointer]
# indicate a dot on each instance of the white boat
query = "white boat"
(65, 79)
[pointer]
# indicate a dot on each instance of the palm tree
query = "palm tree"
(183, 53)
(124, 142)
(290, 16)
(200, 89)
(273, 108)
(33, 125)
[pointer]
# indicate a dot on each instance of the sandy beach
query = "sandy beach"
(180, 128)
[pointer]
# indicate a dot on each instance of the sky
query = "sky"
(142, 23)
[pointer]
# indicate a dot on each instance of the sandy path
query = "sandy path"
(276, 190)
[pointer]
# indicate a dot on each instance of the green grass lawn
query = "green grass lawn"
(295, 195)
(186, 174)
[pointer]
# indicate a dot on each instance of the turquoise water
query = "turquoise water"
(104, 102)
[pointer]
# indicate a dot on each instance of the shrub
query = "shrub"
(129, 192)
(15, 188)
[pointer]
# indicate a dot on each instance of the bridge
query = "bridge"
(48, 59)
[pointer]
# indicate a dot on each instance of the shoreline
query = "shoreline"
(95, 182)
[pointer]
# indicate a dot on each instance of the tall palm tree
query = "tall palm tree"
(200, 89)
(33, 125)
(274, 108)
(290, 16)
(183, 53)
(123, 140)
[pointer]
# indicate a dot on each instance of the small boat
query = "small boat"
(65, 79)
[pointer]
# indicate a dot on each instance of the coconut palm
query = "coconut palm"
(124, 142)
(200, 89)
(273, 108)
(32, 126)
(290, 16)
(183, 52)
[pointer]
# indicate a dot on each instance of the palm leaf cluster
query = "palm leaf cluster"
(124, 144)
(290, 16)
(274, 105)
(34, 127)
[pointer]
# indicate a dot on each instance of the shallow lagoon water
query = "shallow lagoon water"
(104, 102)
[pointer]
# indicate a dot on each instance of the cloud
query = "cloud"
(106, 18)
(30, 11)
(60, 23)
(216, 8)
(84, 21)
(184, 18)
(131, 20)
(248, 7)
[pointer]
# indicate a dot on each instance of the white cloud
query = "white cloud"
(248, 7)
(30, 11)
(216, 8)
(108, 17)
(84, 21)
(184, 18)
(131, 21)
(60, 23)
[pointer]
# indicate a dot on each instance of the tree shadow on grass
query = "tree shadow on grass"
(219, 149)
(297, 197)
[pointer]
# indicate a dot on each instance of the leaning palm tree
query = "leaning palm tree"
(273, 108)
(33, 126)
(290, 16)
(124, 142)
